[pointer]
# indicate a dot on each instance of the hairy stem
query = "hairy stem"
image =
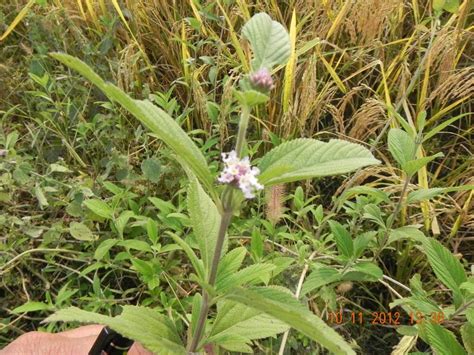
(225, 221)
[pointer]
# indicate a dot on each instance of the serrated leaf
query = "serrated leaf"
(401, 146)
(100, 208)
(81, 232)
(286, 308)
(205, 219)
(153, 330)
(343, 239)
(245, 323)
(442, 340)
(305, 158)
(269, 40)
(230, 263)
(154, 118)
(447, 268)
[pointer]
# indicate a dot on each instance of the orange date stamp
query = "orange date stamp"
(383, 318)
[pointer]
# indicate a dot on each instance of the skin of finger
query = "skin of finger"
(38, 343)
(84, 331)
(77, 341)
(94, 330)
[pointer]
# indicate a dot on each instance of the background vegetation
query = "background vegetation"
(355, 65)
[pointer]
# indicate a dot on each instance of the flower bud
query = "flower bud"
(261, 80)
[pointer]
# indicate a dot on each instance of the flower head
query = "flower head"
(240, 173)
(262, 80)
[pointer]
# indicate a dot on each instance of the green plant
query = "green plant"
(216, 271)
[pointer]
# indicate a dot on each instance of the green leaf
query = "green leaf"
(468, 286)
(41, 197)
(285, 307)
(269, 40)
(363, 271)
(467, 332)
(412, 166)
(362, 190)
(252, 273)
(320, 276)
(154, 118)
(373, 212)
(442, 340)
(205, 219)
(406, 232)
(427, 194)
(135, 244)
(58, 168)
(401, 146)
(81, 232)
(250, 97)
(424, 194)
(438, 4)
(153, 330)
(230, 263)
(100, 208)
(121, 221)
(447, 268)
(470, 315)
(343, 239)
(151, 169)
(31, 306)
(103, 248)
(361, 242)
(241, 324)
(305, 158)
(451, 6)
(197, 264)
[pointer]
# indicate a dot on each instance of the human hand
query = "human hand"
(72, 342)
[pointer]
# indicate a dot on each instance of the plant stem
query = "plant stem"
(225, 221)
(244, 121)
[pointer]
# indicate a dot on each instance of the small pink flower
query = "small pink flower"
(262, 80)
(240, 173)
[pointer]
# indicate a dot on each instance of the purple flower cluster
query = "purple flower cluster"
(262, 80)
(239, 172)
